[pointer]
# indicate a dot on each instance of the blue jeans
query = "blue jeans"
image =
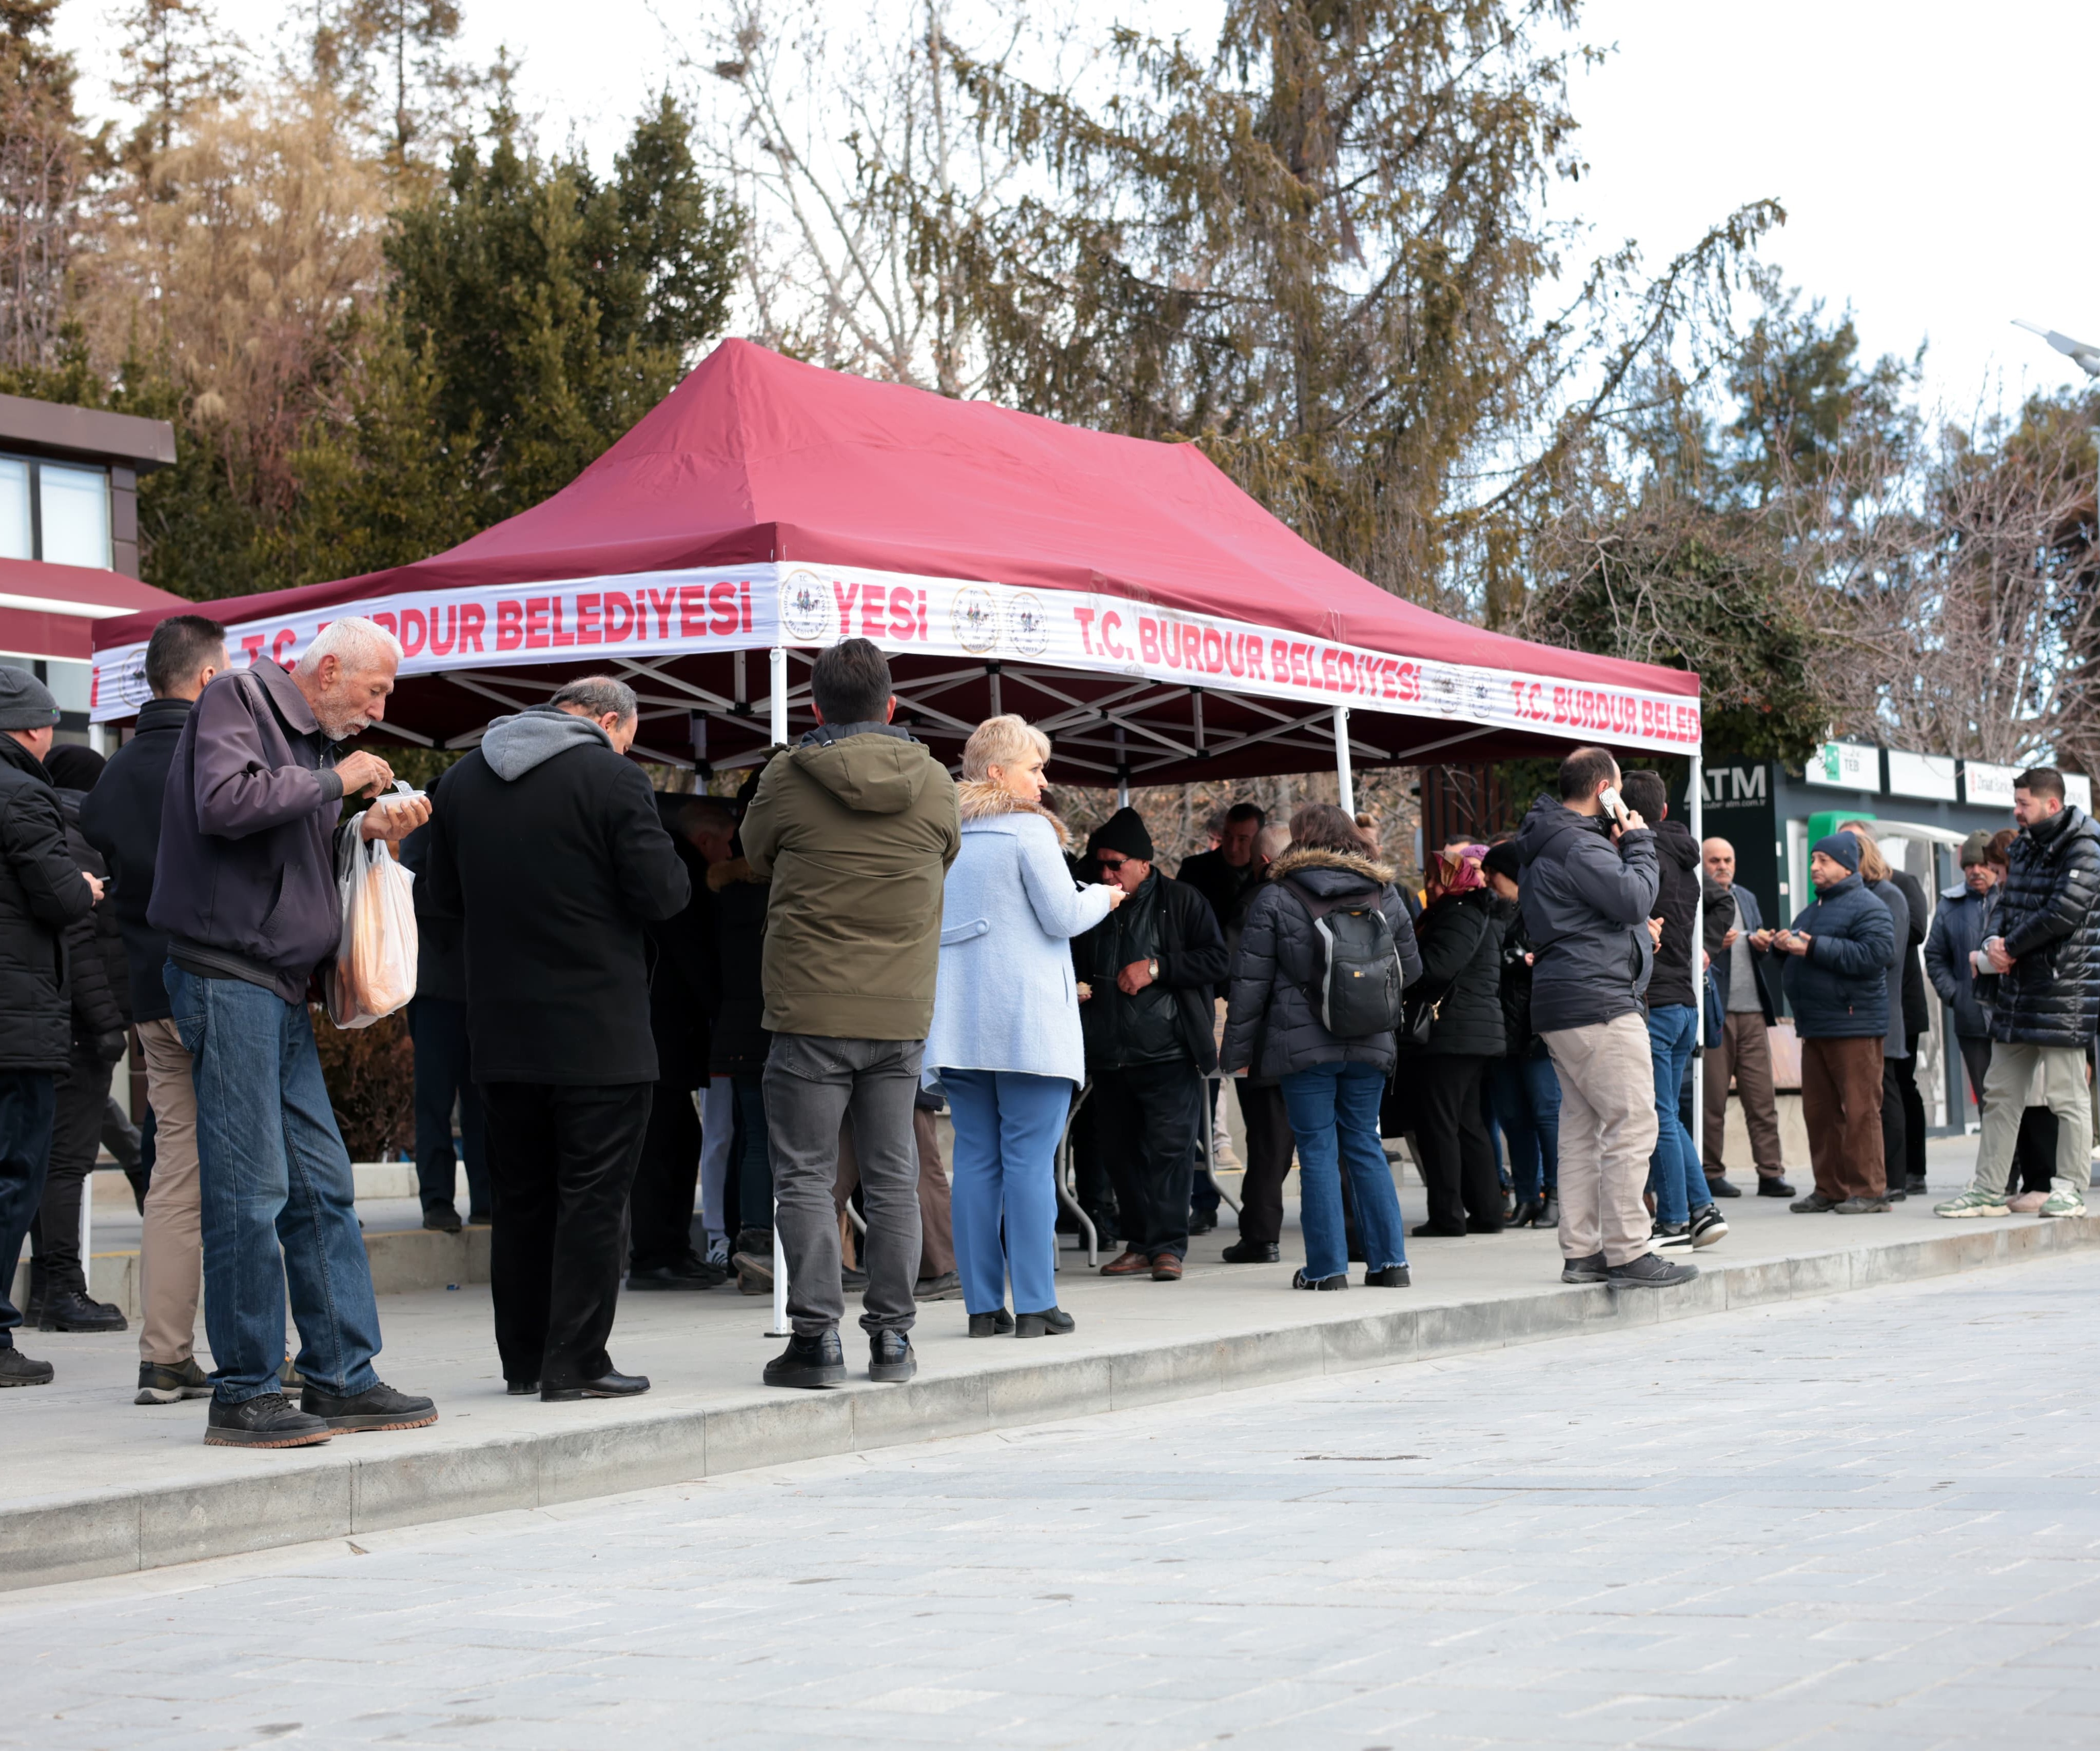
(1335, 1115)
(1008, 1123)
(1674, 1173)
(28, 1101)
(273, 1171)
(1527, 1096)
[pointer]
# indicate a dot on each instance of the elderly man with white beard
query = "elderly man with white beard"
(245, 888)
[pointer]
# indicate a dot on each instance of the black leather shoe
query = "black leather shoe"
(69, 1310)
(1524, 1214)
(268, 1420)
(817, 1362)
(889, 1355)
(1483, 1225)
(1774, 1188)
(1549, 1212)
(691, 1272)
(1433, 1230)
(378, 1407)
(1051, 1322)
(1202, 1221)
(442, 1218)
(1392, 1277)
(17, 1370)
(993, 1324)
(1915, 1185)
(1722, 1186)
(522, 1388)
(1249, 1252)
(609, 1384)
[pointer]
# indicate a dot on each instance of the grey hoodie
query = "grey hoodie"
(513, 746)
(1585, 905)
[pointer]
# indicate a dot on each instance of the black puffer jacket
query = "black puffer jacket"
(94, 952)
(41, 893)
(2050, 916)
(1677, 904)
(1460, 939)
(1272, 1019)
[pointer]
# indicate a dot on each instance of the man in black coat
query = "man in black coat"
(549, 846)
(101, 1012)
(1229, 876)
(444, 1060)
(1686, 1214)
(41, 891)
(1147, 975)
(121, 819)
(2046, 957)
(682, 994)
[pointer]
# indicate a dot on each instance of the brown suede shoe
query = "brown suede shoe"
(1129, 1263)
(1166, 1268)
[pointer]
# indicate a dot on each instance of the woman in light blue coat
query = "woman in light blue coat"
(1005, 1040)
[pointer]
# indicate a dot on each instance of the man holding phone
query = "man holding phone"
(1587, 891)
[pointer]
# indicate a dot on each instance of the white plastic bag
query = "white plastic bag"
(374, 971)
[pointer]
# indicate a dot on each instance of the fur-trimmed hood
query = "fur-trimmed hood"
(1312, 858)
(722, 875)
(980, 800)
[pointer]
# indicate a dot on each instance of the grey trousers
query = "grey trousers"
(1608, 1131)
(2063, 1092)
(813, 1084)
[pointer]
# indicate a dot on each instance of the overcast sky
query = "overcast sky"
(1937, 160)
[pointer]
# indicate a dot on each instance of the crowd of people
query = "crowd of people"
(684, 1039)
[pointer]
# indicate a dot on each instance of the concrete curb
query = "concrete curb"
(117, 1532)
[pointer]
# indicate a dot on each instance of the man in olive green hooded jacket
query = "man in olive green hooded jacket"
(856, 828)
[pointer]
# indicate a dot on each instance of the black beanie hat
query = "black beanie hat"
(1504, 859)
(1124, 831)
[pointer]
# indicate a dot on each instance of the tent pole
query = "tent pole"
(1695, 798)
(1345, 783)
(991, 682)
(779, 703)
(1122, 771)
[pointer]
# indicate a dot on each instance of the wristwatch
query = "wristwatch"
(1152, 968)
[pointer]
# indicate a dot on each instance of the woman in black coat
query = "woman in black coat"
(101, 1012)
(1331, 1082)
(1460, 939)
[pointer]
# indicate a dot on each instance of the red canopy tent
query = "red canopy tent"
(50, 610)
(1123, 594)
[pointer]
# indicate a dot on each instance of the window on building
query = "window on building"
(18, 534)
(74, 504)
(55, 511)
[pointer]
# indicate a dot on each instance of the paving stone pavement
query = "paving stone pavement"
(1869, 1521)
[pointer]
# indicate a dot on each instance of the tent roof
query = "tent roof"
(52, 610)
(756, 457)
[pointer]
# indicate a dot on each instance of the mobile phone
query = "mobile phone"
(1614, 804)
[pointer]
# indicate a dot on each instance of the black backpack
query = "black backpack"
(1355, 989)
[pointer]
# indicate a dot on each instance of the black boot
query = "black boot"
(816, 1361)
(69, 1310)
(1051, 1322)
(993, 1324)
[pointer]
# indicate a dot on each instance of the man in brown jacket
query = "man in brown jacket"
(855, 829)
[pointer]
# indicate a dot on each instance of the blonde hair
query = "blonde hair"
(1004, 741)
(1873, 866)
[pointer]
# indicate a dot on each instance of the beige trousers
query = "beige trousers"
(171, 1250)
(1608, 1132)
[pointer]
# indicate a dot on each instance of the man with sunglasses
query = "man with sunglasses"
(1146, 977)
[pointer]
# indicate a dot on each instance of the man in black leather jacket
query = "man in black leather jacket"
(2045, 962)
